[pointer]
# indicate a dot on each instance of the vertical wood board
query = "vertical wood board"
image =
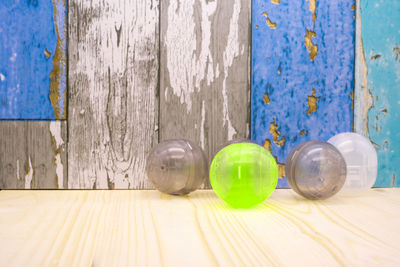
(113, 105)
(377, 91)
(302, 73)
(33, 155)
(33, 59)
(204, 83)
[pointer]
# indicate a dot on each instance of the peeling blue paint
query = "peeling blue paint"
(27, 30)
(380, 31)
(281, 67)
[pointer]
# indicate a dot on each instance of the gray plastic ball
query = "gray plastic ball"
(177, 167)
(315, 170)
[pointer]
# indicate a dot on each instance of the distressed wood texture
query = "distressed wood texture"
(33, 59)
(302, 79)
(113, 78)
(33, 155)
(204, 83)
(146, 228)
(377, 95)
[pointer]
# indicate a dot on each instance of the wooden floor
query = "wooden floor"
(146, 228)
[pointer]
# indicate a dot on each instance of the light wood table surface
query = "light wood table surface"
(147, 228)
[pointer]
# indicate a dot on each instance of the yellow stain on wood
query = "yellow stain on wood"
(353, 6)
(376, 56)
(281, 166)
(273, 129)
(312, 102)
(55, 75)
(396, 50)
(271, 24)
(367, 96)
(311, 47)
(384, 111)
(313, 7)
(276, 2)
(303, 132)
(281, 170)
(266, 99)
(47, 53)
(267, 145)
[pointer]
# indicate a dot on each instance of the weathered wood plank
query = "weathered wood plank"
(146, 228)
(33, 155)
(204, 83)
(33, 59)
(113, 78)
(302, 80)
(377, 83)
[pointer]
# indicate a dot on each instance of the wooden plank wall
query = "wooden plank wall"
(377, 94)
(302, 76)
(33, 155)
(117, 108)
(113, 78)
(204, 83)
(144, 71)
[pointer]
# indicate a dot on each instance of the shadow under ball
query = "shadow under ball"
(315, 170)
(177, 167)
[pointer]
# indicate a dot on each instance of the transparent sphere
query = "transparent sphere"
(315, 170)
(243, 174)
(361, 161)
(177, 167)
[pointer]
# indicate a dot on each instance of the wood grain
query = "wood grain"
(302, 73)
(204, 71)
(113, 104)
(138, 228)
(377, 81)
(33, 59)
(33, 155)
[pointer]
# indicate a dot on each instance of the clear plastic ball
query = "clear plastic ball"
(361, 161)
(243, 174)
(315, 170)
(177, 167)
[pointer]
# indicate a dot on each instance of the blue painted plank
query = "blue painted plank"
(32, 56)
(302, 72)
(378, 84)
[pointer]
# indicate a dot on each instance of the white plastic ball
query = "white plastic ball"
(361, 161)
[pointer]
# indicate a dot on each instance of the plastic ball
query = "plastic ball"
(243, 174)
(177, 167)
(315, 170)
(361, 161)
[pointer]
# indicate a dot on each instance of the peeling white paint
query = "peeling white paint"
(59, 171)
(29, 175)
(230, 53)
(55, 130)
(2, 77)
(186, 65)
(18, 177)
(13, 57)
(203, 119)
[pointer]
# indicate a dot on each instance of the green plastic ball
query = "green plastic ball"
(243, 174)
